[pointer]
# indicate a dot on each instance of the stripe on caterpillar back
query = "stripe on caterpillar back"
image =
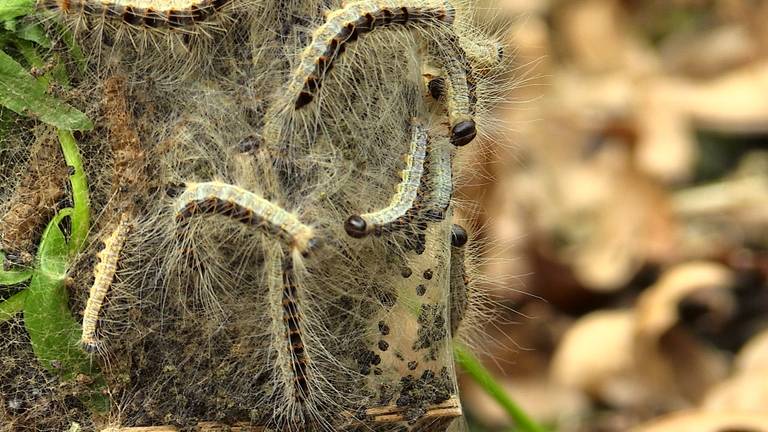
(440, 179)
(141, 13)
(458, 278)
(104, 273)
(402, 206)
(346, 25)
(293, 333)
(246, 207)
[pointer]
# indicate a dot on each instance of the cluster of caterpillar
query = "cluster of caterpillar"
(249, 310)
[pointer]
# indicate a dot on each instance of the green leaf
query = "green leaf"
(52, 329)
(34, 33)
(10, 307)
(12, 277)
(10, 9)
(82, 204)
(20, 92)
(52, 252)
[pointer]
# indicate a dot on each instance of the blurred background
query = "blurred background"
(625, 216)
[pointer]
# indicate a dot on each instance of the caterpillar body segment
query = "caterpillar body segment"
(440, 175)
(483, 54)
(459, 283)
(292, 321)
(450, 79)
(402, 206)
(460, 94)
(104, 273)
(151, 14)
(246, 207)
(344, 26)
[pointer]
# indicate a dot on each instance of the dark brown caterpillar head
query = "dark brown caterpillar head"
(174, 190)
(436, 87)
(356, 226)
(458, 236)
(90, 347)
(463, 133)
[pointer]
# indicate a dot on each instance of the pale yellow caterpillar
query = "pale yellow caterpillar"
(459, 284)
(403, 203)
(104, 273)
(141, 13)
(246, 207)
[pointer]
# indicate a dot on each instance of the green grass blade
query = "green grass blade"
(23, 94)
(12, 306)
(484, 379)
(82, 205)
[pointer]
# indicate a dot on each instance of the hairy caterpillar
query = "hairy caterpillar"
(245, 207)
(402, 204)
(346, 25)
(441, 179)
(104, 273)
(458, 279)
(293, 324)
(460, 92)
(129, 182)
(142, 13)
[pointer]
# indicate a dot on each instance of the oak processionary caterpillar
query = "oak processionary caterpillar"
(104, 273)
(461, 97)
(406, 194)
(245, 207)
(345, 26)
(292, 321)
(141, 13)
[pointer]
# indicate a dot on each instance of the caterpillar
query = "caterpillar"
(141, 13)
(130, 165)
(441, 179)
(458, 278)
(293, 333)
(346, 25)
(104, 273)
(402, 205)
(460, 92)
(245, 207)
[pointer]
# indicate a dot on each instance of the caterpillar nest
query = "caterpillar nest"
(272, 183)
